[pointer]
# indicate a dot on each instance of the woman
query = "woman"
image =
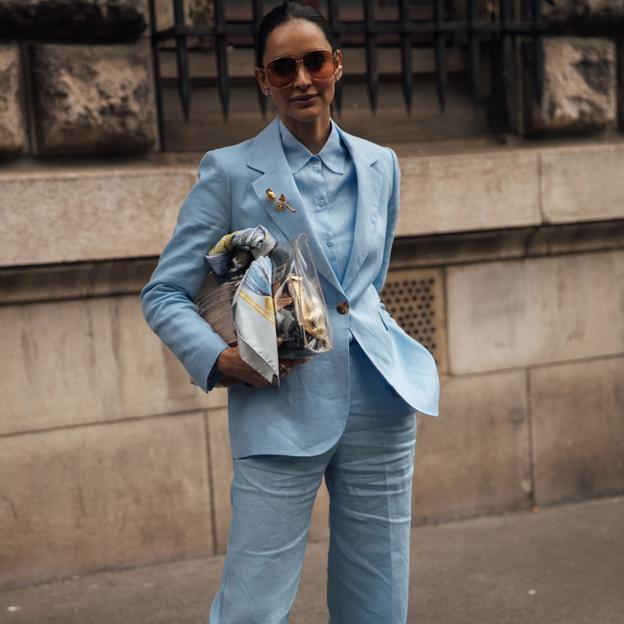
(347, 415)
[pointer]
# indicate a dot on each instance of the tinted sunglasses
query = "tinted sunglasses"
(282, 72)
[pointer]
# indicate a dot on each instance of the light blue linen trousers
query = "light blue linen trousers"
(368, 474)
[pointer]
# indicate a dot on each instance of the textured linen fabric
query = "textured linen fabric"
(230, 195)
(368, 473)
(327, 183)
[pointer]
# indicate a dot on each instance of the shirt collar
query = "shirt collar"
(332, 154)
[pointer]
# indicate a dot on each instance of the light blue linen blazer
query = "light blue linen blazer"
(308, 413)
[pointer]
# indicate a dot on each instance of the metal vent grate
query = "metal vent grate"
(414, 298)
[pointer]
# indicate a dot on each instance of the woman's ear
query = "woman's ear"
(262, 82)
(338, 73)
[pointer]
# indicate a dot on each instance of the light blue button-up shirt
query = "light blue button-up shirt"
(327, 183)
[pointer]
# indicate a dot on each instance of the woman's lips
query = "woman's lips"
(304, 100)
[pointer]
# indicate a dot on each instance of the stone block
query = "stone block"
(87, 361)
(73, 18)
(577, 412)
(104, 496)
(535, 311)
(468, 192)
(88, 215)
(12, 128)
(474, 458)
(582, 184)
(579, 86)
(582, 10)
(94, 99)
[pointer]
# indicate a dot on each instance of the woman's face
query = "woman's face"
(306, 99)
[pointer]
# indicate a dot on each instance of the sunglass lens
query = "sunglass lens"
(319, 63)
(283, 66)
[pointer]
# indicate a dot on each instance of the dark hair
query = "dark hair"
(284, 13)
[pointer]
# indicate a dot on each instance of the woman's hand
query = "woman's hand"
(235, 370)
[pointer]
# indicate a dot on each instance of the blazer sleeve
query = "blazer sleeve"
(393, 214)
(167, 300)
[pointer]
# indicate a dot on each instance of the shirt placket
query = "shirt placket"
(322, 211)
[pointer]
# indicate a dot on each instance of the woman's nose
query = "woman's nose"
(302, 79)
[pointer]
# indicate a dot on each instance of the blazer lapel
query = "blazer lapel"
(267, 156)
(369, 189)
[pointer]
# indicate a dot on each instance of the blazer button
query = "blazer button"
(342, 307)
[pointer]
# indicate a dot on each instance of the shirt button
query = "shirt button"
(342, 307)
(321, 202)
(329, 243)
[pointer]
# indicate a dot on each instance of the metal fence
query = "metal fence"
(495, 35)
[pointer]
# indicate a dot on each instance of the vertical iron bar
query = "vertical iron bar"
(619, 65)
(258, 11)
(538, 51)
(440, 52)
(473, 52)
(221, 50)
(496, 74)
(333, 19)
(156, 70)
(505, 63)
(372, 78)
(406, 55)
(184, 85)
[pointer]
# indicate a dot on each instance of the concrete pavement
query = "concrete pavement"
(561, 565)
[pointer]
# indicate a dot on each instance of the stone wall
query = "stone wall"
(77, 98)
(99, 98)
(109, 457)
(580, 74)
(12, 126)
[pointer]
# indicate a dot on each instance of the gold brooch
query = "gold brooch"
(280, 202)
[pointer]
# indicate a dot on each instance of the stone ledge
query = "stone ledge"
(582, 185)
(505, 244)
(98, 214)
(465, 192)
(510, 188)
(57, 282)
(442, 194)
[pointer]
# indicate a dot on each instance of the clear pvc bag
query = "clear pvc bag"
(301, 318)
(302, 321)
